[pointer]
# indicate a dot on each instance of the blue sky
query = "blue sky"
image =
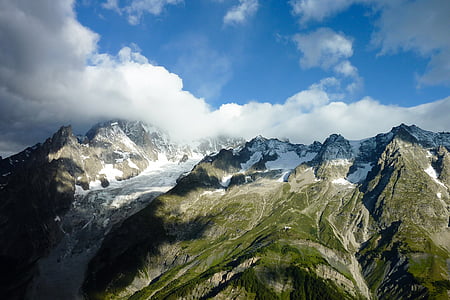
(257, 59)
(301, 69)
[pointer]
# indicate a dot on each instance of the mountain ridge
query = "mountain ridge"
(41, 184)
(267, 218)
(351, 233)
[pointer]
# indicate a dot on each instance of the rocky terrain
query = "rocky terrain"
(59, 198)
(123, 212)
(341, 219)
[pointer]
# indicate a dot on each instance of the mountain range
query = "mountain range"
(125, 213)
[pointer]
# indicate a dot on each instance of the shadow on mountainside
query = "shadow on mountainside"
(35, 194)
(127, 247)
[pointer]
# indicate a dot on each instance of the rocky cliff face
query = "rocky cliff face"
(51, 192)
(344, 219)
(35, 189)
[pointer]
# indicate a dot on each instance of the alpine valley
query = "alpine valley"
(124, 212)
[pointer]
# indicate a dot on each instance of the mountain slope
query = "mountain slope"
(343, 219)
(71, 189)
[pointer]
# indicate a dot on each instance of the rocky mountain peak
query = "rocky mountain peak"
(259, 142)
(335, 147)
(62, 137)
(425, 138)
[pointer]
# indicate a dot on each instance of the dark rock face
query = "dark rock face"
(335, 147)
(35, 192)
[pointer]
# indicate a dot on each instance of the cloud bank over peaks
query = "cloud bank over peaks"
(51, 73)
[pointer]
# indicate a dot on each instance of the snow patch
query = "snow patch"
(161, 162)
(110, 172)
(433, 174)
(84, 157)
(288, 160)
(360, 174)
(225, 182)
(439, 195)
(256, 157)
(94, 185)
(284, 177)
(79, 190)
(341, 181)
(132, 164)
(218, 191)
(122, 200)
(355, 146)
(340, 162)
(57, 219)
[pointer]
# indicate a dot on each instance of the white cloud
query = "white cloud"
(438, 69)
(311, 115)
(327, 49)
(51, 74)
(421, 26)
(346, 68)
(240, 13)
(323, 48)
(318, 10)
(137, 8)
(112, 5)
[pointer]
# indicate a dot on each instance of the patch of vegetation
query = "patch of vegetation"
(307, 286)
(252, 284)
(306, 257)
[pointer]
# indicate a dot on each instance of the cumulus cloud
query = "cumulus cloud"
(112, 5)
(327, 49)
(137, 8)
(51, 73)
(346, 68)
(318, 10)
(323, 48)
(421, 26)
(240, 13)
(311, 115)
